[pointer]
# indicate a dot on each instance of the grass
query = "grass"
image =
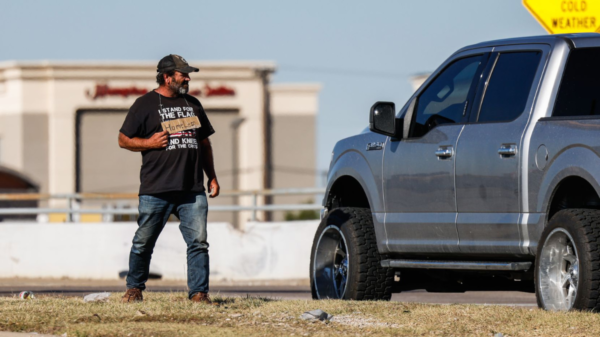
(171, 314)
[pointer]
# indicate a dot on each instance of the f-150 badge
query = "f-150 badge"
(374, 146)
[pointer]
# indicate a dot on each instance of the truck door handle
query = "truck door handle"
(444, 152)
(507, 150)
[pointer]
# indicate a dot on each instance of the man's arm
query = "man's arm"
(158, 140)
(209, 167)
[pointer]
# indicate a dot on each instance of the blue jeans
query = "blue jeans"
(191, 208)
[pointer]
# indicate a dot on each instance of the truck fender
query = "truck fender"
(353, 164)
(577, 161)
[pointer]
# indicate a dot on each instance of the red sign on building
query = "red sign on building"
(104, 90)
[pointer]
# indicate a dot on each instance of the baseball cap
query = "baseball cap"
(174, 62)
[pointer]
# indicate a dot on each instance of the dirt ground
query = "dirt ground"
(172, 314)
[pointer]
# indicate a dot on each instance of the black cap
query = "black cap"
(174, 62)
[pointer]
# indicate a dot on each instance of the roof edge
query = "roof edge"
(142, 64)
(550, 39)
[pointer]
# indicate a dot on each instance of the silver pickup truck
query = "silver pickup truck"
(489, 176)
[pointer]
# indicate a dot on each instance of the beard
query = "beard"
(181, 88)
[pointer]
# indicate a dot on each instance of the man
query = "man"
(171, 176)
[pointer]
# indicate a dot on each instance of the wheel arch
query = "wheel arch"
(573, 191)
(347, 191)
(573, 176)
(351, 173)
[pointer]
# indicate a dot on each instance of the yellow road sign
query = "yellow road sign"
(566, 16)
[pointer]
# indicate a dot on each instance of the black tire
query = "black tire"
(366, 279)
(583, 226)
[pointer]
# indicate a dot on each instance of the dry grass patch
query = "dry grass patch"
(171, 314)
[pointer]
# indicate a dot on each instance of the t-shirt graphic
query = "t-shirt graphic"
(178, 167)
(183, 139)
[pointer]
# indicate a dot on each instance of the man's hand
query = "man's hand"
(158, 140)
(209, 167)
(213, 187)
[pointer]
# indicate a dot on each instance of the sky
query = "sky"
(359, 51)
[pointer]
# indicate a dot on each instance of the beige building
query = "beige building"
(59, 123)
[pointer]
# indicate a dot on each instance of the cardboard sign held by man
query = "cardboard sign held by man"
(181, 124)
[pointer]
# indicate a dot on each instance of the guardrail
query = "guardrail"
(73, 200)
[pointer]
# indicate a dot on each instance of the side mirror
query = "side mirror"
(383, 120)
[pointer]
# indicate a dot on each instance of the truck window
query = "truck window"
(579, 92)
(509, 86)
(444, 99)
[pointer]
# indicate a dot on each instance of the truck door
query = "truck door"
(418, 184)
(489, 151)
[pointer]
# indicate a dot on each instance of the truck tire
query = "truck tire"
(567, 266)
(345, 262)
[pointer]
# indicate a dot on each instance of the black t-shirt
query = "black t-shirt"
(178, 167)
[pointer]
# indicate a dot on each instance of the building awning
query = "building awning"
(13, 181)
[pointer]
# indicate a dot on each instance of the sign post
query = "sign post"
(566, 16)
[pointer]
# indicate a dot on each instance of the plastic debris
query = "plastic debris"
(499, 334)
(96, 297)
(26, 295)
(316, 315)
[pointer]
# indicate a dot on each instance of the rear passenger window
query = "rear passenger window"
(579, 93)
(509, 86)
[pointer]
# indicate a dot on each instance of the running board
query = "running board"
(464, 265)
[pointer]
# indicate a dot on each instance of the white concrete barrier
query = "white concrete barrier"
(265, 251)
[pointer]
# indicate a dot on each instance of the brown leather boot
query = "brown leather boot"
(132, 295)
(201, 298)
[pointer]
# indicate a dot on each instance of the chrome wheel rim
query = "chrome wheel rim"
(331, 264)
(558, 271)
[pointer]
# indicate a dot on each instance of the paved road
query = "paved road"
(11, 287)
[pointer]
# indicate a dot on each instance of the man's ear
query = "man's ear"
(167, 78)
